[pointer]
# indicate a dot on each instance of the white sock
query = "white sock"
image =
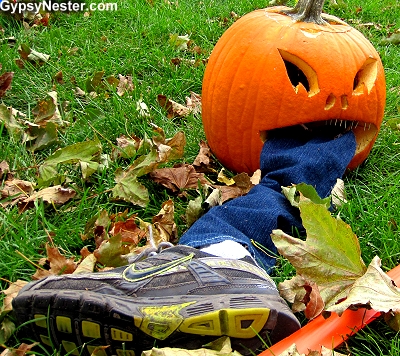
(227, 249)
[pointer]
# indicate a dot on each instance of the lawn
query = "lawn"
(139, 42)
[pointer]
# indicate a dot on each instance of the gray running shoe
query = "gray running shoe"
(176, 297)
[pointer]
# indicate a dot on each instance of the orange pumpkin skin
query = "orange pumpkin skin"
(247, 91)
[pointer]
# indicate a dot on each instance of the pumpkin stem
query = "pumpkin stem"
(307, 11)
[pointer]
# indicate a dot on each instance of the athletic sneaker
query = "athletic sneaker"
(177, 297)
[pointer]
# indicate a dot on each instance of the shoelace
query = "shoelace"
(150, 251)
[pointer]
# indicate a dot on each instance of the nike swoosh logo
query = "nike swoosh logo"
(132, 274)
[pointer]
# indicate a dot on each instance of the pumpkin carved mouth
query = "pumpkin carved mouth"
(363, 131)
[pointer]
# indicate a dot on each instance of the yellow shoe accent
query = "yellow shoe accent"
(45, 340)
(64, 324)
(121, 352)
(240, 323)
(42, 322)
(120, 335)
(90, 329)
(161, 321)
(96, 350)
(70, 347)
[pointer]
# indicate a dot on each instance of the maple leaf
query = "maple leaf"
(10, 293)
(55, 195)
(127, 147)
(125, 85)
(178, 178)
(173, 109)
(86, 153)
(15, 190)
(128, 188)
(204, 162)
(162, 228)
(5, 82)
(8, 117)
(59, 264)
(374, 290)
(112, 252)
(330, 256)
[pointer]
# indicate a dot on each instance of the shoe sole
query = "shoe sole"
(90, 323)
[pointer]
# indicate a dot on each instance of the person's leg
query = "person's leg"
(182, 296)
(289, 156)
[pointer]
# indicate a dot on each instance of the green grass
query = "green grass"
(135, 41)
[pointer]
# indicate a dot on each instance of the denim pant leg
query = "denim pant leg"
(286, 158)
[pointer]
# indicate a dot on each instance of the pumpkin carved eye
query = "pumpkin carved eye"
(300, 73)
(365, 77)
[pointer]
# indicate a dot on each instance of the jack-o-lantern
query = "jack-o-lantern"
(280, 67)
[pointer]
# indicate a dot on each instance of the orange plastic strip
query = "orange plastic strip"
(330, 332)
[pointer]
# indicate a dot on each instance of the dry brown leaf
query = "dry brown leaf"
(203, 161)
(86, 265)
(125, 85)
(15, 190)
(10, 293)
(4, 168)
(162, 228)
(178, 178)
(129, 231)
(22, 350)
(174, 109)
(193, 103)
(56, 195)
(58, 77)
(5, 82)
(313, 301)
(59, 264)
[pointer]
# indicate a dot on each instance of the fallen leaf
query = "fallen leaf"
(127, 147)
(142, 108)
(193, 103)
(394, 39)
(125, 85)
(5, 82)
(173, 109)
(7, 328)
(34, 57)
(86, 265)
(15, 190)
(374, 290)
(194, 210)
(338, 193)
(292, 351)
(179, 42)
(4, 168)
(86, 153)
(58, 77)
(219, 347)
(8, 117)
(10, 293)
(313, 301)
(56, 195)
(130, 233)
(21, 350)
(58, 263)
(95, 83)
(203, 162)
(178, 178)
(112, 252)
(129, 189)
(330, 256)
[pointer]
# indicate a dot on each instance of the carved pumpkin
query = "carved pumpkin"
(279, 67)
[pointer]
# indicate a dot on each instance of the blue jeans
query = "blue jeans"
(288, 156)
